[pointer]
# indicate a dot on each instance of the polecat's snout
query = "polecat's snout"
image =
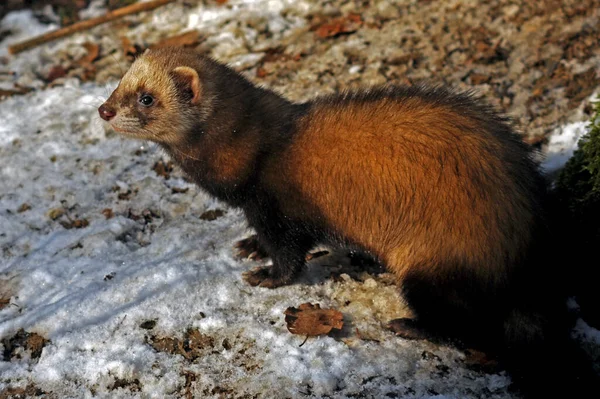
(106, 112)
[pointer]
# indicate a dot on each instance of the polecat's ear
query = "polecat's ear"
(188, 78)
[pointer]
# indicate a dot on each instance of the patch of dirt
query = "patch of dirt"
(131, 385)
(212, 214)
(21, 393)
(24, 345)
(193, 345)
(8, 288)
(148, 324)
(201, 349)
(4, 302)
(163, 168)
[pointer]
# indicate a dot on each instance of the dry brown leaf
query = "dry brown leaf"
(14, 92)
(77, 224)
(129, 49)
(80, 223)
(341, 25)
(186, 39)
(261, 72)
(108, 213)
(57, 71)
(311, 320)
(4, 302)
(93, 50)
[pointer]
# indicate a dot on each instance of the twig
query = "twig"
(87, 24)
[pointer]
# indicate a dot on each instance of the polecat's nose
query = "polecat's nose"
(106, 112)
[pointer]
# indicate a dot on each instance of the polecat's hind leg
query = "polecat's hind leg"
(408, 328)
(250, 248)
(454, 308)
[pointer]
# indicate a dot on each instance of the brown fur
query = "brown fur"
(413, 151)
(433, 183)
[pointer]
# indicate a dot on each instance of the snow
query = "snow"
(88, 290)
(561, 145)
(24, 27)
(562, 142)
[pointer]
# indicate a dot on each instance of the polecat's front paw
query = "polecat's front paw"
(262, 276)
(250, 248)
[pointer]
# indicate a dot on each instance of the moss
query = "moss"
(578, 184)
(577, 192)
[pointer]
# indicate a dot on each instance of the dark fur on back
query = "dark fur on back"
(433, 183)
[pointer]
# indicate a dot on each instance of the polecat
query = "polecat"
(433, 183)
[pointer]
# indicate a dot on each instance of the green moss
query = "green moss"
(578, 184)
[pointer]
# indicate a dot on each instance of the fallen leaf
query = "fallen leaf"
(311, 320)
(186, 39)
(80, 223)
(14, 92)
(261, 72)
(77, 224)
(341, 25)
(4, 302)
(129, 49)
(108, 213)
(93, 50)
(57, 71)
(479, 78)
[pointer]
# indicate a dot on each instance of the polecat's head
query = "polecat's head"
(160, 98)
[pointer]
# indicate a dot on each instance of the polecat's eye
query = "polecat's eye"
(146, 100)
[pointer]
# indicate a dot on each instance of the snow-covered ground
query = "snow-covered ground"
(91, 290)
(562, 144)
